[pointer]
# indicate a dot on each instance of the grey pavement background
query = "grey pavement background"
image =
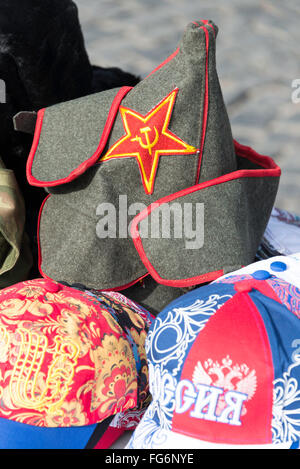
(258, 57)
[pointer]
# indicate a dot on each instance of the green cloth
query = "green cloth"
(15, 256)
(236, 211)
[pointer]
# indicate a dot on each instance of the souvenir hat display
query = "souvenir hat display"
(73, 366)
(224, 366)
(165, 142)
(168, 302)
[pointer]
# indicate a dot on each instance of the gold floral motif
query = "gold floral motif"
(72, 326)
(135, 318)
(4, 344)
(31, 291)
(40, 308)
(70, 414)
(14, 307)
(27, 389)
(116, 384)
(113, 324)
(82, 308)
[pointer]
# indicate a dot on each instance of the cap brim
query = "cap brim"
(159, 438)
(16, 435)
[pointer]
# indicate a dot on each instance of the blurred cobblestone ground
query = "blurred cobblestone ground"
(258, 57)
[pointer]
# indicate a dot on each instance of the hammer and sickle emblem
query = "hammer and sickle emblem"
(148, 145)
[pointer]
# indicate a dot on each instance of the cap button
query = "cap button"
(244, 286)
(278, 266)
(261, 275)
(52, 287)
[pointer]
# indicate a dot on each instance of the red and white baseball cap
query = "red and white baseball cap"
(224, 367)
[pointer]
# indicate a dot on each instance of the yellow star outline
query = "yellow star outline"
(147, 138)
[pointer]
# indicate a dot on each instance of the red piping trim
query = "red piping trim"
(186, 282)
(85, 164)
(40, 260)
(128, 285)
(168, 59)
(271, 170)
(205, 106)
(206, 22)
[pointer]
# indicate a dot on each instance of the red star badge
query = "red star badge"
(147, 138)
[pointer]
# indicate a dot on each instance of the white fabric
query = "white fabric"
(290, 275)
(283, 232)
(172, 440)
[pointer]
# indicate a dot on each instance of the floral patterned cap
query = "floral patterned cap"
(71, 358)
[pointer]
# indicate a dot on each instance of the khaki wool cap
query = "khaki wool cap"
(164, 146)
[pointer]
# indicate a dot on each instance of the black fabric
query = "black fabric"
(25, 121)
(43, 61)
(98, 433)
(152, 295)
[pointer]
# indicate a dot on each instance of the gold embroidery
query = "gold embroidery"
(26, 389)
(4, 341)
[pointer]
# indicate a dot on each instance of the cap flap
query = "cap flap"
(70, 137)
(196, 235)
(176, 110)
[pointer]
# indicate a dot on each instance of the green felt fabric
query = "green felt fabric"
(235, 216)
(70, 135)
(235, 213)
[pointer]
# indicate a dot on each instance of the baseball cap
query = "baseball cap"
(224, 368)
(70, 362)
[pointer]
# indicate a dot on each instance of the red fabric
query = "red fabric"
(111, 435)
(260, 285)
(65, 361)
(231, 356)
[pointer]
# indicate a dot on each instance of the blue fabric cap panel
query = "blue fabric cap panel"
(15, 435)
(183, 319)
(174, 330)
(283, 330)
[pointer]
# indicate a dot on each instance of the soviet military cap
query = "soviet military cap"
(224, 365)
(148, 181)
(73, 369)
